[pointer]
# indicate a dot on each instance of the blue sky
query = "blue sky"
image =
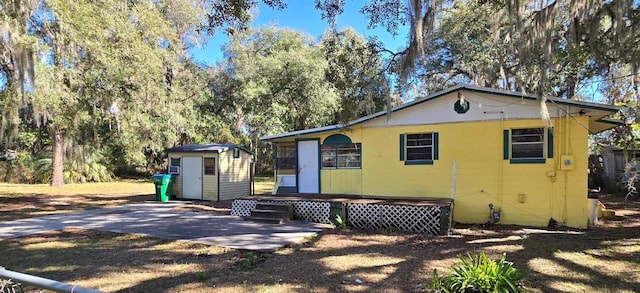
(302, 15)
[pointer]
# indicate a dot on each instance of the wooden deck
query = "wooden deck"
(412, 214)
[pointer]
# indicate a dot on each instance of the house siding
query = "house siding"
(342, 181)
(209, 182)
(235, 178)
(482, 175)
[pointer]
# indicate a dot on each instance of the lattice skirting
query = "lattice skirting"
(421, 219)
(312, 211)
(242, 207)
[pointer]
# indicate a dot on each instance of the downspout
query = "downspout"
(218, 177)
(567, 126)
(566, 172)
(500, 193)
(558, 133)
(276, 182)
(454, 172)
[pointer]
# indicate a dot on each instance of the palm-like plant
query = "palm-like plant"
(479, 273)
(80, 168)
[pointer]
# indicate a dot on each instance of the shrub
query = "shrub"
(75, 171)
(340, 222)
(479, 274)
(42, 170)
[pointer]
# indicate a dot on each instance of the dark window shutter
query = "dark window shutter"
(402, 147)
(436, 140)
(550, 142)
(505, 146)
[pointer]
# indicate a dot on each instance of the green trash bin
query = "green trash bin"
(170, 187)
(162, 182)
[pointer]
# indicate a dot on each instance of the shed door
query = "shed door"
(308, 167)
(192, 177)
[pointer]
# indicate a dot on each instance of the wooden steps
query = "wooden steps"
(272, 213)
(603, 212)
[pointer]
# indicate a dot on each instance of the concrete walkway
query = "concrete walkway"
(159, 220)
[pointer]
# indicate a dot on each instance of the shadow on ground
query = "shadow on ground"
(32, 205)
(601, 259)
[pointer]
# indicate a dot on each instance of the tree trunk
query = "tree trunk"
(57, 178)
(573, 50)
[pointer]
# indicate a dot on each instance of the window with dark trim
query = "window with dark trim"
(342, 156)
(285, 157)
(209, 166)
(174, 162)
(419, 148)
(528, 145)
(174, 166)
(236, 153)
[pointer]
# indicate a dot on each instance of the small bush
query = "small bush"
(249, 260)
(340, 222)
(479, 274)
(202, 276)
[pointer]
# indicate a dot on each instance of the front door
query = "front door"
(308, 167)
(192, 177)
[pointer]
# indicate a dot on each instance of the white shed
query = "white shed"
(211, 171)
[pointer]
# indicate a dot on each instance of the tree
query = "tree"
(113, 76)
(357, 72)
(282, 78)
(16, 65)
(273, 80)
(602, 31)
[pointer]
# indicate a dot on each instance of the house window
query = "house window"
(329, 159)
(236, 153)
(175, 162)
(209, 166)
(528, 145)
(419, 148)
(285, 157)
(342, 156)
(174, 166)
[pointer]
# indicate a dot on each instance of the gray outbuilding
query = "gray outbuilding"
(211, 171)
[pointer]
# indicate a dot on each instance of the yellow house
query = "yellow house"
(475, 145)
(211, 171)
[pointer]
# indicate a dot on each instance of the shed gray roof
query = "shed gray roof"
(197, 148)
(473, 88)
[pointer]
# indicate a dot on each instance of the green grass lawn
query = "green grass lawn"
(263, 184)
(19, 201)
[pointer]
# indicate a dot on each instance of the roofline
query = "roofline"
(473, 88)
(611, 121)
(221, 150)
(597, 106)
(303, 132)
(506, 93)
